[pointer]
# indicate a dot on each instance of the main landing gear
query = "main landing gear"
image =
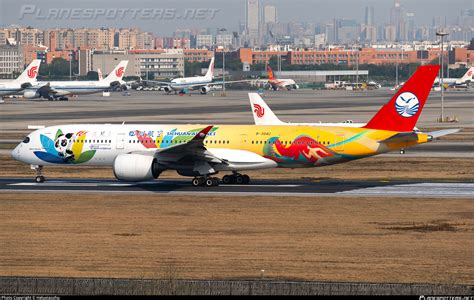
(39, 174)
(236, 178)
(205, 181)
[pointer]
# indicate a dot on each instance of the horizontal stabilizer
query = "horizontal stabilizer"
(440, 133)
(403, 137)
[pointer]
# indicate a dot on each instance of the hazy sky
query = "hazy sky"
(145, 14)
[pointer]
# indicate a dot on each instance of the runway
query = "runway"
(331, 188)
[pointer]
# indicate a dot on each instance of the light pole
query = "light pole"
(442, 34)
(223, 63)
(70, 66)
(396, 71)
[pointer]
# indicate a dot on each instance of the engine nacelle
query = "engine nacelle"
(31, 95)
(295, 86)
(136, 167)
(166, 89)
(205, 89)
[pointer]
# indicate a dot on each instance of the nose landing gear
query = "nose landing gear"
(39, 174)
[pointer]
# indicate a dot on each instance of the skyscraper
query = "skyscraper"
(368, 29)
(252, 14)
(369, 15)
(269, 14)
(397, 19)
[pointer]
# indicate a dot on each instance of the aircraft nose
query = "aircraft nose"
(16, 152)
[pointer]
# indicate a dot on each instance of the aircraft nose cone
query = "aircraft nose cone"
(16, 153)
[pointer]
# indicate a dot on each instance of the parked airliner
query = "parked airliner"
(25, 80)
(202, 83)
(60, 90)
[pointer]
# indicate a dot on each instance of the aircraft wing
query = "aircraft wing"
(194, 154)
(157, 82)
(45, 91)
(230, 82)
(194, 148)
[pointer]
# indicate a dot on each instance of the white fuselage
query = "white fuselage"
(178, 84)
(283, 83)
(65, 88)
(10, 88)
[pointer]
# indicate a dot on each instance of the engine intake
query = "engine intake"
(136, 167)
(205, 90)
(31, 95)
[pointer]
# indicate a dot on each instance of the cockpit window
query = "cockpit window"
(26, 140)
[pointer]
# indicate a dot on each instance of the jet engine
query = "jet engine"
(136, 167)
(166, 89)
(31, 95)
(205, 89)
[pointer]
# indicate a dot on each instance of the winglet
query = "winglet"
(402, 112)
(202, 134)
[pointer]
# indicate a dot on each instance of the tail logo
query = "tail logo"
(32, 72)
(407, 105)
(120, 72)
(258, 110)
(469, 74)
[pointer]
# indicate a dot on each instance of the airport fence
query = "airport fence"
(109, 286)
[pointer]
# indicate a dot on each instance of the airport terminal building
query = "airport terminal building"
(144, 63)
(11, 60)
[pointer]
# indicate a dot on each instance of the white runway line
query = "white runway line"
(92, 184)
(419, 189)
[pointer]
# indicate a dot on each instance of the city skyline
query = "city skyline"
(229, 14)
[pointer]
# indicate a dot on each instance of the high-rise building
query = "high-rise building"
(269, 14)
(12, 60)
(204, 41)
(253, 21)
(347, 31)
(411, 26)
(397, 19)
(369, 16)
(390, 33)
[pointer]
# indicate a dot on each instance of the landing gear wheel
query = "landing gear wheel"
(402, 151)
(39, 179)
(196, 181)
(39, 174)
(246, 179)
(227, 179)
(239, 179)
(209, 182)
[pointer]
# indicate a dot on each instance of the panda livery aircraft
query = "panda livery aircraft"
(142, 152)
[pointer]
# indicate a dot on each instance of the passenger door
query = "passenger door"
(120, 144)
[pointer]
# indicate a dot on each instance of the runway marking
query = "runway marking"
(416, 189)
(91, 184)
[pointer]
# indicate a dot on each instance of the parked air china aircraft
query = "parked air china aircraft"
(26, 79)
(55, 90)
(263, 115)
(464, 80)
(142, 152)
(202, 83)
(277, 84)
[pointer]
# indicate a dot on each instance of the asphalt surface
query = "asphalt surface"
(291, 106)
(257, 188)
